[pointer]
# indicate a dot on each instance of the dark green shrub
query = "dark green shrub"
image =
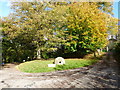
(116, 53)
(45, 55)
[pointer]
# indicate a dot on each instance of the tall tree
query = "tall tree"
(112, 24)
(32, 24)
(37, 27)
(86, 27)
(106, 7)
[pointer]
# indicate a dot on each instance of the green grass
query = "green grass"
(38, 66)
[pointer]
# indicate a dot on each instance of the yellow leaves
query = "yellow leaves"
(67, 44)
(89, 26)
(80, 28)
(51, 49)
(73, 42)
(69, 26)
(85, 33)
(77, 26)
(86, 37)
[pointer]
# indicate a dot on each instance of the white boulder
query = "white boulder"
(59, 61)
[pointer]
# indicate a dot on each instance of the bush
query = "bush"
(45, 55)
(116, 53)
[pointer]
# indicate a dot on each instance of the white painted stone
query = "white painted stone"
(23, 60)
(51, 65)
(59, 61)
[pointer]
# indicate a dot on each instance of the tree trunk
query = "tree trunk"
(38, 54)
(94, 54)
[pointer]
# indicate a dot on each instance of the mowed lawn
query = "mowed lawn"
(38, 66)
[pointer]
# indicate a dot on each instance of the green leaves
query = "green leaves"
(49, 26)
(85, 26)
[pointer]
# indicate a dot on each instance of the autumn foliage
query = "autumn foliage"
(53, 29)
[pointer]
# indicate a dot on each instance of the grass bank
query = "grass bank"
(38, 66)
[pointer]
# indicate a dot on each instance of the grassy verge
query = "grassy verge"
(38, 66)
(72, 64)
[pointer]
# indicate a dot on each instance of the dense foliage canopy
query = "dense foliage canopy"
(51, 29)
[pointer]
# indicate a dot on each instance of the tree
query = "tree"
(15, 48)
(112, 24)
(86, 28)
(106, 7)
(36, 28)
(31, 25)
